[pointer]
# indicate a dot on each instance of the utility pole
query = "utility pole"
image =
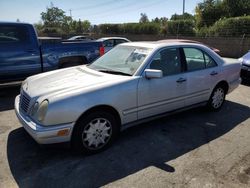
(70, 13)
(183, 7)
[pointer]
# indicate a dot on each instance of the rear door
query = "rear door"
(201, 75)
(19, 54)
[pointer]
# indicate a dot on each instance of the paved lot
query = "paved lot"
(195, 148)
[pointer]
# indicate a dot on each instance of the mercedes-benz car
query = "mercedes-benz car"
(135, 82)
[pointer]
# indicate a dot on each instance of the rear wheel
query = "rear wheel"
(95, 132)
(217, 98)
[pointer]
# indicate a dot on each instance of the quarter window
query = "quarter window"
(209, 61)
(168, 61)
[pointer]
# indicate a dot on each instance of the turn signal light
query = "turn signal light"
(63, 132)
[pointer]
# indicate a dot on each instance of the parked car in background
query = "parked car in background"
(80, 37)
(88, 105)
(22, 54)
(111, 42)
(245, 68)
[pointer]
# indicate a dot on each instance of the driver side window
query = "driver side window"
(168, 61)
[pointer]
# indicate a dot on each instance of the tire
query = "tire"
(217, 98)
(94, 132)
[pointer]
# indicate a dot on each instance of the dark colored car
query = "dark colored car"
(23, 54)
(245, 67)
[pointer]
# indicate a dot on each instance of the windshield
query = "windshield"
(122, 59)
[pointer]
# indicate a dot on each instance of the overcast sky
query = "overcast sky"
(96, 11)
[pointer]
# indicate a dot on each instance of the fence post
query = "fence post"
(241, 45)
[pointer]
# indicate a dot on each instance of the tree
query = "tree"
(236, 8)
(86, 25)
(185, 16)
(208, 12)
(144, 18)
(53, 17)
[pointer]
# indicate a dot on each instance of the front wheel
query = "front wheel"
(217, 98)
(94, 132)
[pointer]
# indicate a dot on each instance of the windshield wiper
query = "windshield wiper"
(114, 72)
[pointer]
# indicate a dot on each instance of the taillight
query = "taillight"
(101, 50)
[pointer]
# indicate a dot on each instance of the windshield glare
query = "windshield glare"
(123, 59)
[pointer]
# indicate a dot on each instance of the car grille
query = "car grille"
(24, 102)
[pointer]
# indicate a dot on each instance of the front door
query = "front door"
(159, 95)
(19, 55)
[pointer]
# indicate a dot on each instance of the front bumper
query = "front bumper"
(42, 134)
(245, 72)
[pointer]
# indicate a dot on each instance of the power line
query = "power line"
(98, 5)
(133, 6)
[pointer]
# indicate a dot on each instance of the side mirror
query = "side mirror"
(153, 73)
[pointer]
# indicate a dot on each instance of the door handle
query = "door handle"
(180, 80)
(213, 73)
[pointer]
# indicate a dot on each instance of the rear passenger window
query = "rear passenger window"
(197, 60)
(13, 34)
(168, 61)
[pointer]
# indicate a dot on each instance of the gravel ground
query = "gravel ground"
(195, 148)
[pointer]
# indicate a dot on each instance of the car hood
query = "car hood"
(66, 80)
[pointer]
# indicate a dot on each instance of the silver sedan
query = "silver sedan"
(132, 83)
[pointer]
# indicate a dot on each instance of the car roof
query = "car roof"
(161, 43)
(107, 38)
(14, 23)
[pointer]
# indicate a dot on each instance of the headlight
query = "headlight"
(42, 110)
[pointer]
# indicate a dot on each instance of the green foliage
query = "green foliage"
(130, 28)
(53, 17)
(181, 27)
(185, 16)
(55, 22)
(231, 27)
(208, 12)
(236, 8)
(211, 19)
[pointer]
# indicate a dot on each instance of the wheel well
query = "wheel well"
(81, 60)
(106, 108)
(224, 84)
